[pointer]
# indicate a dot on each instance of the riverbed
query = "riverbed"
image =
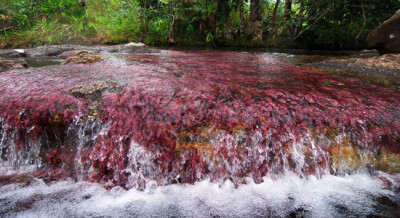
(199, 133)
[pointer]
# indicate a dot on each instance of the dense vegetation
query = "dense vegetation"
(327, 24)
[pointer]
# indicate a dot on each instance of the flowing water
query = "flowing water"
(198, 134)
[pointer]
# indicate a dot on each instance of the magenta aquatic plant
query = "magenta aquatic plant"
(180, 117)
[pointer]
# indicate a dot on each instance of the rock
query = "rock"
(391, 62)
(372, 68)
(82, 57)
(67, 54)
(386, 37)
(24, 179)
(8, 64)
(202, 137)
(388, 161)
(132, 47)
(134, 44)
(12, 53)
(52, 50)
(55, 50)
(94, 92)
(345, 159)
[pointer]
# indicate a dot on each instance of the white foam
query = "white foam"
(330, 196)
(20, 50)
(7, 168)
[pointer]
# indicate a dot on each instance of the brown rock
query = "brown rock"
(8, 64)
(94, 92)
(386, 37)
(388, 61)
(55, 50)
(82, 57)
(381, 70)
(67, 54)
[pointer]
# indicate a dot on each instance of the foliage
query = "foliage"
(116, 21)
(339, 28)
(330, 24)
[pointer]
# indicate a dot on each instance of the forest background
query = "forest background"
(307, 24)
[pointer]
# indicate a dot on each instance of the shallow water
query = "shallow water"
(43, 61)
(255, 136)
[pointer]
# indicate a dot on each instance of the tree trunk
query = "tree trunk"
(288, 8)
(171, 31)
(171, 23)
(363, 26)
(241, 17)
(299, 23)
(288, 5)
(274, 13)
(222, 10)
(255, 24)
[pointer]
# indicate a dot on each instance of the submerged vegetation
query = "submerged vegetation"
(328, 24)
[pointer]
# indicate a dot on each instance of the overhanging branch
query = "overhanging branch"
(321, 15)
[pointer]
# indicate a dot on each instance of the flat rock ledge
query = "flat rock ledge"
(80, 57)
(370, 67)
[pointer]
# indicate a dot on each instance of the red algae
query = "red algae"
(181, 117)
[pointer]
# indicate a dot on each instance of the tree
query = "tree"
(288, 8)
(172, 10)
(299, 19)
(241, 16)
(255, 23)
(273, 19)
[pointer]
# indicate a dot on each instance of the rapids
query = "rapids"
(289, 196)
(255, 135)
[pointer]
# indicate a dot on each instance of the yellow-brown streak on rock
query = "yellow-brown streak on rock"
(55, 120)
(238, 129)
(346, 158)
(199, 139)
(345, 154)
(388, 162)
(200, 146)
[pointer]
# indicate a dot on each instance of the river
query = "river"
(196, 133)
